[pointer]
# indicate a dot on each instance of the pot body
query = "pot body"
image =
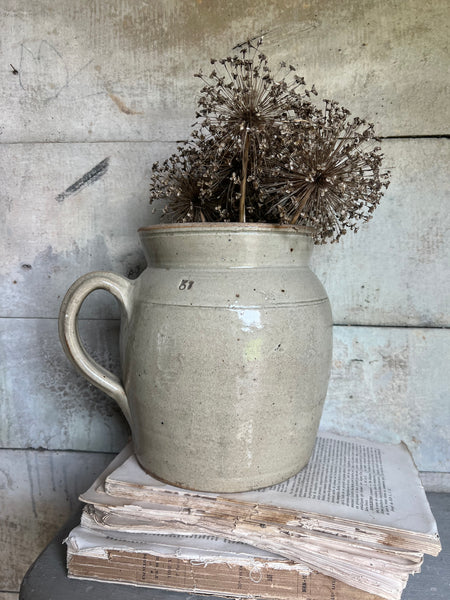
(226, 342)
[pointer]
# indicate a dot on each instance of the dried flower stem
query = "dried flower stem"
(301, 206)
(244, 177)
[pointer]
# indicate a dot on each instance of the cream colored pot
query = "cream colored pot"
(226, 342)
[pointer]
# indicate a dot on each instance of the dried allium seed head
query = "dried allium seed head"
(263, 152)
(179, 184)
(331, 179)
(243, 107)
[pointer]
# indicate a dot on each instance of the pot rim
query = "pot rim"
(230, 226)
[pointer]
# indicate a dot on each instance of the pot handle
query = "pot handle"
(118, 286)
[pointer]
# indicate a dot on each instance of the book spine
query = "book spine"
(223, 579)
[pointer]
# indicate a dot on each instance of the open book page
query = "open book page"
(348, 478)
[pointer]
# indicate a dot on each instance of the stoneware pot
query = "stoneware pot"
(226, 342)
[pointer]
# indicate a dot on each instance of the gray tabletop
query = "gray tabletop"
(47, 578)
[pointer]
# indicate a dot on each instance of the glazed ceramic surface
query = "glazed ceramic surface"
(226, 342)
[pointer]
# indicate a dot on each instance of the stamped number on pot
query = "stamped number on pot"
(185, 284)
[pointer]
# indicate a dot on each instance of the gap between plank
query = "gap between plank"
(433, 136)
(378, 325)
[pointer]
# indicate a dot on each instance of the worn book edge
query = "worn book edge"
(258, 578)
(125, 479)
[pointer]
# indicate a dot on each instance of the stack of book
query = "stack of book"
(352, 525)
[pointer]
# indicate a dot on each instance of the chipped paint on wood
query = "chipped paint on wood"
(40, 490)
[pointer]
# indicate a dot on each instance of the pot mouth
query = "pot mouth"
(228, 226)
(226, 245)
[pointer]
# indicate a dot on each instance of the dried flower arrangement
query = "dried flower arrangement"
(263, 152)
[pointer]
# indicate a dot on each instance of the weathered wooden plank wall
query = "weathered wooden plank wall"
(91, 94)
(39, 489)
(121, 70)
